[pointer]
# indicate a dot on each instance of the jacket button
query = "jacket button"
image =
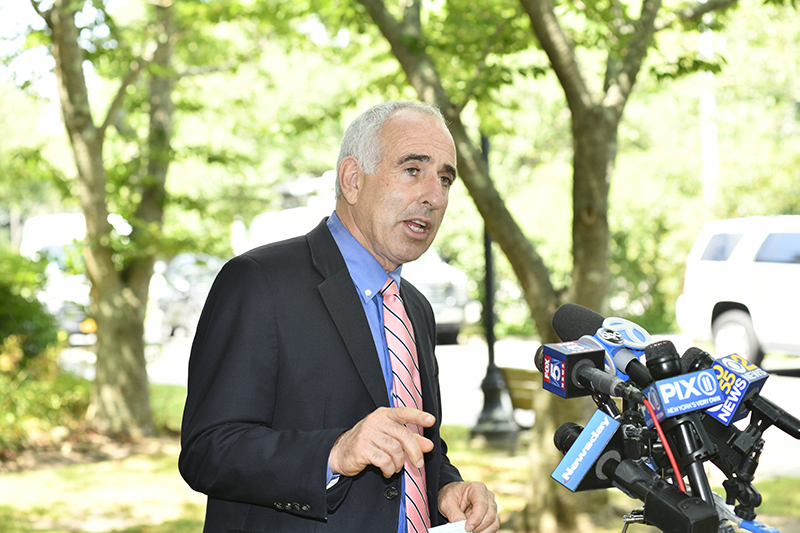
(390, 493)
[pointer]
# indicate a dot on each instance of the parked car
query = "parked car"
(180, 288)
(445, 287)
(742, 287)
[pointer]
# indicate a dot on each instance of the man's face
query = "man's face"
(398, 209)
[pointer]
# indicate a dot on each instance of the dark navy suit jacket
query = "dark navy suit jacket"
(282, 363)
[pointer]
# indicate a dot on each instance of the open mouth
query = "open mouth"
(417, 226)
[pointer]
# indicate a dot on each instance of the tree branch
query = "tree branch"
(694, 13)
(44, 14)
(417, 65)
(561, 53)
(156, 52)
(199, 71)
(479, 68)
(620, 84)
(116, 103)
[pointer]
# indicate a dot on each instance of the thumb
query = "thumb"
(452, 511)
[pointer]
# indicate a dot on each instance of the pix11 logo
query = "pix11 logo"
(682, 394)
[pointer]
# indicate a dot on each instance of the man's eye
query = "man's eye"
(446, 180)
(413, 171)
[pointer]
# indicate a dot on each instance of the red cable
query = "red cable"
(666, 446)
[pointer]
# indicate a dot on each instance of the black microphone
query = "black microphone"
(573, 321)
(572, 370)
(665, 506)
(767, 411)
(685, 431)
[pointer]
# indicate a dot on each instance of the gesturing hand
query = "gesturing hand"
(381, 439)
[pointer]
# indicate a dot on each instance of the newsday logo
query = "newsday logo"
(585, 450)
(683, 394)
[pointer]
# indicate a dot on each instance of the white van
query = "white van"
(742, 287)
(66, 296)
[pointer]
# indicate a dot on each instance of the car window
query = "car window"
(780, 248)
(720, 246)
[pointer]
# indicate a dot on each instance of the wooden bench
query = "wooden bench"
(522, 383)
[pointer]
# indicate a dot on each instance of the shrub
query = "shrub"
(39, 404)
(35, 397)
(23, 318)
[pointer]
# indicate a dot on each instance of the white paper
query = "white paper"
(455, 527)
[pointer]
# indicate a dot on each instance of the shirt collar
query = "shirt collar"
(367, 273)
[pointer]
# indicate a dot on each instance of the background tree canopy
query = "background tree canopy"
(195, 112)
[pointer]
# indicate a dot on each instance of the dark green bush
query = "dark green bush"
(35, 397)
(22, 315)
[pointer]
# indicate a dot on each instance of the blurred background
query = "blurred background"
(143, 144)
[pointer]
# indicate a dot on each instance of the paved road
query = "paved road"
(463, 367)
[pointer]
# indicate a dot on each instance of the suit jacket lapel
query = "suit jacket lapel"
(340, 297)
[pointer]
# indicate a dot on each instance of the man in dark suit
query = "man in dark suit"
(290, 422)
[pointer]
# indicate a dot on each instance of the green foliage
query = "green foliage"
(42, 405)
(26, 328)
(642, 271)
(166, 402)
(472, 41)
(28, 179)
(779, 497)
(684, 65)
(34, 402)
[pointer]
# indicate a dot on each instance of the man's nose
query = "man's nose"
(433, 192)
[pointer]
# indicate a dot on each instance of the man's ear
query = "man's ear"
(351, 178)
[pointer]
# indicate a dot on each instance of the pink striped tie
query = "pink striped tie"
(406, 391)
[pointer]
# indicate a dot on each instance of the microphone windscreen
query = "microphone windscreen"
(691, 360)
(566, 435)
(573, 321)
(538, 359)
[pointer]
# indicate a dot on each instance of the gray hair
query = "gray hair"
(362, 138)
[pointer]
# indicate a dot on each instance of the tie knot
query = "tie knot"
(389, 288)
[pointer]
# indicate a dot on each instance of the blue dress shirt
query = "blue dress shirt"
(369, 278)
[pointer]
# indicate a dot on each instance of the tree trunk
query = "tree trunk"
(594, 137)
(120, 402)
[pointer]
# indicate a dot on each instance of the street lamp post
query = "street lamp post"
(495, 423)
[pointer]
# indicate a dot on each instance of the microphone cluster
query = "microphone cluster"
(677, 414)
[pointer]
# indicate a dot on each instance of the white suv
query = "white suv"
(741, 288)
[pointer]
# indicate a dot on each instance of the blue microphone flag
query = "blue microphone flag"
(683, 393)
(739, 379)
(559, 359)
(584, 452)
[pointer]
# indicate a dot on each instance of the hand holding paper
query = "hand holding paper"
(456, 527)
